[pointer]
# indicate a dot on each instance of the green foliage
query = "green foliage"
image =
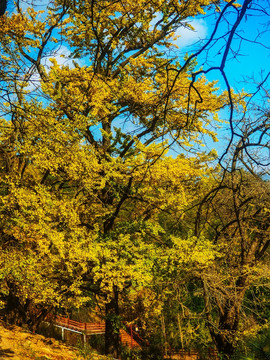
(86, 351)
(130, 354)
(255, 347)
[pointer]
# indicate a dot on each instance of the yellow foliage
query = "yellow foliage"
(85, 171)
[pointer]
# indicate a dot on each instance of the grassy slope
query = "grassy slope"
(17, 344)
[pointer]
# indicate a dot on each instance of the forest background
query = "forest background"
(109, 201)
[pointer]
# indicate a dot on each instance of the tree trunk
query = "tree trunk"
(3, 6)
(27, 313)
(223, 326)
(164, 334)
(13, 312)
(224, 345)
(112, 325)
(225, 337)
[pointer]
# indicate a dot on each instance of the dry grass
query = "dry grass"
(17, 344)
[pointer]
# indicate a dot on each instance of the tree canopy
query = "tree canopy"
(106, 192)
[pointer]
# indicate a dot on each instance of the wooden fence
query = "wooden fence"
(126, 337)
(191, 355)
(84, 328)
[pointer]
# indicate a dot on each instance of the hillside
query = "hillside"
(18, 344)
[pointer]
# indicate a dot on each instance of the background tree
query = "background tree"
(236, 216)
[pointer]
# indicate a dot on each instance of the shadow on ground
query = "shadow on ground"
(6, 353)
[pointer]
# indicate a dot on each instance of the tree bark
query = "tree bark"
(27, 313)
(112, 325)
(3, 7)
(225, 336)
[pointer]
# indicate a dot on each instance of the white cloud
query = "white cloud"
(187, 37)
(36, 4)
(61, 55)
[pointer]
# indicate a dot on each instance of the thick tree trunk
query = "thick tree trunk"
(112, 325)
(3, 6)
(13, 312)
(224, 344)
(27, 313)
(225, 336)
(223, 326)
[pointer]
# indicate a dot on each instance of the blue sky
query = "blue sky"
(248, 61)
(252, 54)
(252, 58)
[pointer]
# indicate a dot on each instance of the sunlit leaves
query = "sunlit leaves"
(86, 178)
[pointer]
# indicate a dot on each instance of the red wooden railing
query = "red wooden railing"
(190, 355)
(127, 338)
(94, 329)
(88, 328)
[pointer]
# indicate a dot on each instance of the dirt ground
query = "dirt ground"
(17, 344)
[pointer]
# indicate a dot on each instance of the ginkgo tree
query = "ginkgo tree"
(84, 165)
